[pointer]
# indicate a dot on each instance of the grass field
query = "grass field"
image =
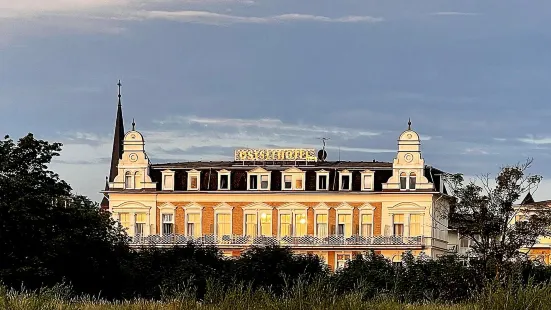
(532, 297)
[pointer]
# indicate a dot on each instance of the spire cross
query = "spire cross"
(119, 84)
(133, 125)
(409, 124)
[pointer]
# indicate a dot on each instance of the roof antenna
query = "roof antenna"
(409, 123)
(322, 154)
(133, 125)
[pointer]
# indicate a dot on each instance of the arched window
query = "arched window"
(412, 180)
(403, 180)
(128, 180)
(137, 180)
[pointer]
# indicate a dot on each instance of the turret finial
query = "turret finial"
(119, 84)
(133, 125)
(409, 124)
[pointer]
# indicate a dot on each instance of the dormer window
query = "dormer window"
(128, 180)
(293, 179)
(193, 183)
(258, 179)
(367, 180)
(408, 182)
(168, 180)
(345, 180)
(322, 180)
(224, 180)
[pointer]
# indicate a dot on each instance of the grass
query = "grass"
(243, 297)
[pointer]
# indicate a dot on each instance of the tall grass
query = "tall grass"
(318, 295)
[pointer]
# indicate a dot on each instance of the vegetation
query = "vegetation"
(60, 251)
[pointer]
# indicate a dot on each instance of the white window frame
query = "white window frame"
(366, 209)
(194, 173)
(321, 209)
(344, 209)
(322, 173)
(223, 208)
(128, 175)
(295, 174)
(146, 225)
(167, 208)
(291, 209)
(258, 209)
(345, 173)
(408, 176)
(371, 175)
(259, 172)
(167, 174)
(221, 173)
(193, 208)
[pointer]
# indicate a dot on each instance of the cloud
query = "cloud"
(536, 141)
(452, 13)
(211, 18)
(475, 151)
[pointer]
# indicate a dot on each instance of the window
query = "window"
(194, 225)
(367, 225)
(344, 225)
(285, 225)
(345, 180)
(223, 224)
(168, 180)
(223, 180)
(412, 179)
(403, 180)
(124, 218)
(264, 181)
(141, 219)
(322, 178)
(342, 260)
(266, 224)
(300, 225)
(253, 182)
(168, 224)
(128, 180)
(321, 225)
(288, 181)
(367, 180)
(398, 221)
(464, 242)
(415, 225)
(250, 225)
(193, 180)
(298, 182)
(138, 180)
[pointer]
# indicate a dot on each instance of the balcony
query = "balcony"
(236, 241)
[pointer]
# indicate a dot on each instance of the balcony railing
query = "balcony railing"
(303, 241)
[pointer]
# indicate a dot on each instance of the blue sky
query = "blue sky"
(203, 77)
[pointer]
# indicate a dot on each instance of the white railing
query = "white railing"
(237, 240)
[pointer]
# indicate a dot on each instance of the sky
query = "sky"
(203, 77)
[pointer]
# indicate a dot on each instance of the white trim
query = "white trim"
(256, 209)
(193, 173)
(291, 209)
(220, 174)
(345, 173)
(406, 207)
(371, 174)
(170, 175)
(295, 175)
(318, 174)
(408, 176)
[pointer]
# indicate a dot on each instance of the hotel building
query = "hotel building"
(288, 197)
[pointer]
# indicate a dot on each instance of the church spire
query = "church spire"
(117, 139)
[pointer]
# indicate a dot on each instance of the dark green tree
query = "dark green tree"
(486, 214)
(47, 234)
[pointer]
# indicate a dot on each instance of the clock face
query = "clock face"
(133, 157)
(408, 157)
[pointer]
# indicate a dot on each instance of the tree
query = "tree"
(486, 214)
(47, 234)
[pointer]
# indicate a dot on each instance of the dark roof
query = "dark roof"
(117, 141)
(274, 165)
(528, 199)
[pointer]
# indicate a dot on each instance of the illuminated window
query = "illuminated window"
(266, 224)
(124, 219)
(193, 180)
(193, 224)
(321, 225)
(285, 225)
(141, 219)
(367, 225)
(300, 225)
(223, 224)
(251, 225)
(398, 222)
(344, 225)
(342, 259)
(415, 225)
